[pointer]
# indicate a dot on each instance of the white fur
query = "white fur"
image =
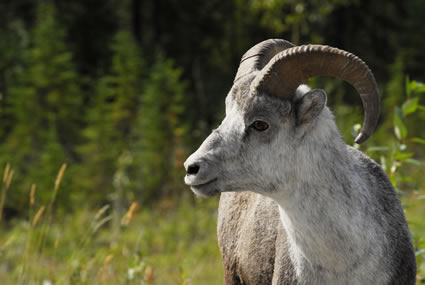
(323, 193)
(308, 219)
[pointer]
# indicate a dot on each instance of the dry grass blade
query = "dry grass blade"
(57, 184)
(50, 206)
(57, 240)
(149, 276)
(131, 213)
(7, 180)
(101, 212)
(32, 194)
(60, 176)
(104, 273)
(6, 173)
(38, 216)
(101, 223)
(107, 260)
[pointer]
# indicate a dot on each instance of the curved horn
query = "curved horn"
(259, 55)
(288, 69)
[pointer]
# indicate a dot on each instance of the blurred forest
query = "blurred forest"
(123, 91)
(119, 93)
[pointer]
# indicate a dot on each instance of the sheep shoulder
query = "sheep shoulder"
(252, 240)
(389, 212)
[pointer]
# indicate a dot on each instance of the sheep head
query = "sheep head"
(270, 113)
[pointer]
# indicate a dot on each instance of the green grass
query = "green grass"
(167, 244)
(414, 205)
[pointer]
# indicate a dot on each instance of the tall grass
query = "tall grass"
(166, 244)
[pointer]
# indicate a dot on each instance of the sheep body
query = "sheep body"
(303, 207)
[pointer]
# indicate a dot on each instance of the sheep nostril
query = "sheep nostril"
(193, 169)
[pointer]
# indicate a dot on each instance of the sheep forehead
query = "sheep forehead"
(239, 95)
(240, 100)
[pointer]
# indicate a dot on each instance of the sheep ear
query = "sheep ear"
(309, 106)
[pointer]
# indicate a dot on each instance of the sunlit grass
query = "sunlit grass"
(159, 246)
(167, 243)
(414, 205)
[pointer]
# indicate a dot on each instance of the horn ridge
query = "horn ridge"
(259, 55)
(291, 67)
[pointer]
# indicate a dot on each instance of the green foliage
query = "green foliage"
(402, 148)
(112, 111)
(404, 164)
(13, 41)
(299, 16)
(43, 103)
(158, 135)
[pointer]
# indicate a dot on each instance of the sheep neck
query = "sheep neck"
(324, 215)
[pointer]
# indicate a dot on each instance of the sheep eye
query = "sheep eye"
(260, 126)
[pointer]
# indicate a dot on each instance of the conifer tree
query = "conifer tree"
(46, 103)
(13, 40)
(159, 131)
(111, 115)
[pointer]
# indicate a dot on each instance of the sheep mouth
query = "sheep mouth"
(204, 184)
(206, 189)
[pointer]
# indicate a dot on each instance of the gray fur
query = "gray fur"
(299, 206)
